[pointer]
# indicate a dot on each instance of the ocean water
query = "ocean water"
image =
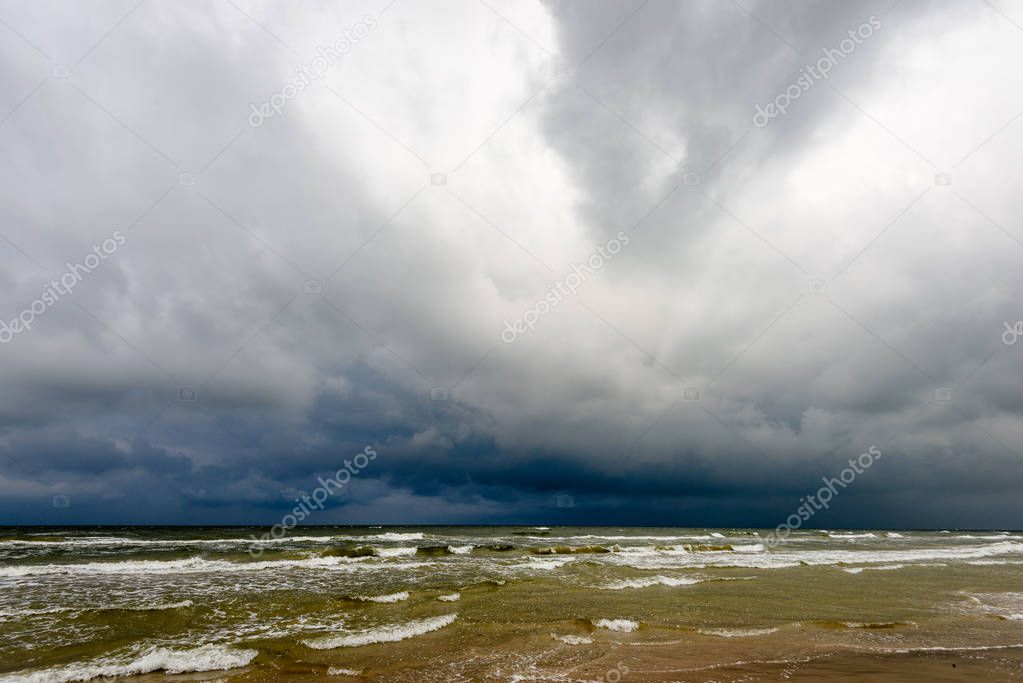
(508, 604)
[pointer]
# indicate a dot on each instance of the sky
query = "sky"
(564, 262)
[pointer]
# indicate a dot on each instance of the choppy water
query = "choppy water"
(506, 603)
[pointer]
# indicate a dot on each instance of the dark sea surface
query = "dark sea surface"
(508, 604)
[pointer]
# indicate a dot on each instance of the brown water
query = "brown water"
(509, 604)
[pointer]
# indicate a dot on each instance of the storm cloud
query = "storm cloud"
(845, 275)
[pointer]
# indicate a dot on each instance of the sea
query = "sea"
(508, 603)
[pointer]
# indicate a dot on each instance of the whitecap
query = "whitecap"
(622, 625)
(393, 597)
(646, 582)
(383, 634)
(451, 597)
(737, 632)
(204, 658)
(753, 548)
(401, 551)
(198, 565)
(394, 536)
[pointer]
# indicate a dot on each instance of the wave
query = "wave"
(622, 625)
(358, 551)
(6, 615)
(650, 581)
(736, 632)
(376, 551)
(832, 534)
(104, 541)
(393, 536)
(883, 567)
(204, 658)
(963, 648)
(598, 537)
(197, 565)
(400, 551)
(673, 558)
(863, 625)
(440, 550)
(659, 580)
(451, 597)
(497, 547)
(997, 537)
(574, 550)
(753, 548)
(573, 640)
(383, 634)
(545, 564)
(1005, 606)
(393, 597)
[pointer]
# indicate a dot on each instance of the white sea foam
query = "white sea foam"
(383, 634)
(623, 625)
(198, 565)
(204, 658)
(33, 612)
(451, 597)
(393, 536)
(105, 541)
(1008, 606)
(460, 549)
(14, 614)
(646, 582)
(335, 671)
(850, 536)
(545, 563)
(737, 632)
(573, 640)
(393, 597)
(964, 648)
(401, 551)
(883, 567)
(651, 559)
(664, 539)
(753, 548)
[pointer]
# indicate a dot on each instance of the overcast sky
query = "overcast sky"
(335, 269)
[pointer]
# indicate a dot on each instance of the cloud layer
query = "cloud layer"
(340, 275)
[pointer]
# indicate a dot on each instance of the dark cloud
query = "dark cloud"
(321, 290)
